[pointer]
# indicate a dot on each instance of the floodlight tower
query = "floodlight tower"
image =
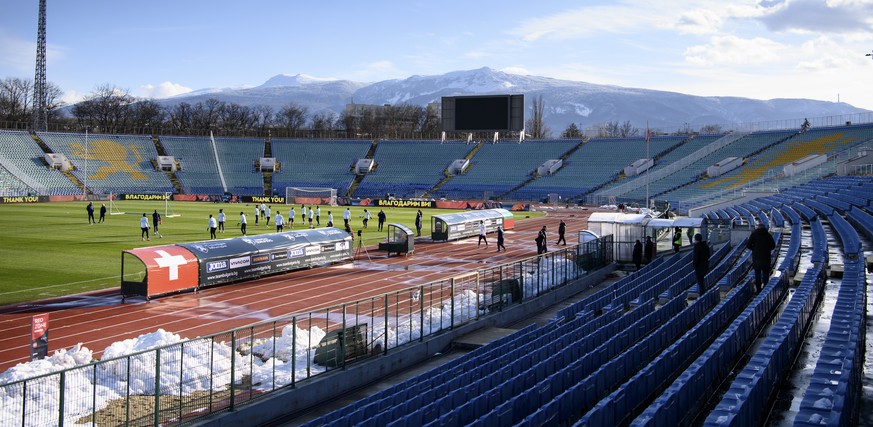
(40, 113)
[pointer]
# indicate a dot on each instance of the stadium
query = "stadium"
(360, 270)
(451, 332)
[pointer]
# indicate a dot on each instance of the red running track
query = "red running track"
(97, 320)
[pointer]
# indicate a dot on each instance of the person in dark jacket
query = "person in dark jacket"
(650, 249)
(381, 216)
(90, 209)
(562, 229)
(638, 253)
(418, 222)
(500, 239)
(541, 241)
(761, 244)
(701, 261)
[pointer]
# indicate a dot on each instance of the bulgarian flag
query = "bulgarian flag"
(648, 134)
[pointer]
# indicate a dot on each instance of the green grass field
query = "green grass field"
(50, 250)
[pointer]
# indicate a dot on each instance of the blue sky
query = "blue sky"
(762, 50)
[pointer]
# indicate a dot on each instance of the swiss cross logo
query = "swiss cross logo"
(172, 262)
(171, 268)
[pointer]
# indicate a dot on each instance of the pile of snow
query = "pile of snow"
(42, 391)
(285, 359)
(186, 366)
(60, 360)
(89, 387)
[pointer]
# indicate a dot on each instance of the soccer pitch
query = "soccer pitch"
(49, 249)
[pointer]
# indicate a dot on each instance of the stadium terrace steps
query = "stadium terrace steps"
(497, 168)
(768, 159)
(238, 157)
(21, 156)
(598, 363)
(110, 163)
(503, 169)
(316, 163)
(199, 170)
(409, 168)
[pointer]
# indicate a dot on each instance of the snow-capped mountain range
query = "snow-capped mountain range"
(565, 101)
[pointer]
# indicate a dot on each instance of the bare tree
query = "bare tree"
(572, 131)
(620, 130)
(235, 118)
(15, 99)
(348, 122)
(401, 120)
(53, 94)
(147, 114)
(323, 122)
(108, 109)
(263, 116)
(685, 129)
(207, 115)
(627, 130)
(431, 125)
(536, 128)
(292, 116)
(182, 118)
(710, 129)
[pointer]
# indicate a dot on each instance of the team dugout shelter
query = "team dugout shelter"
(459, 225)
(401, 239)
(161, 270)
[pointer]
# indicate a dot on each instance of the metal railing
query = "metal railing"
(179, 383)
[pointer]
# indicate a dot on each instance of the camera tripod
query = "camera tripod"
(359, 247)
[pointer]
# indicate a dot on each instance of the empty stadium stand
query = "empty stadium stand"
(638, 351)
(316, 163)
(645, 349)
(409, 168)
(111, 163)
(22, 157)
(498, 168)
(237, 157)
(199, 167)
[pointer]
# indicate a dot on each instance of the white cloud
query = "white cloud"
(72, 96)
(476, 54)
(583, 22)
(521, 71)
(375, 71)
(163, 90)
(730, 50)
(700, 21)
(825, 55)
(814, 16)
(17, 55)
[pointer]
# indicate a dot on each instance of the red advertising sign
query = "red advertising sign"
(170, 268)
(39, 327)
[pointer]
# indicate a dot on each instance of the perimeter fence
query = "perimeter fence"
(191, 379)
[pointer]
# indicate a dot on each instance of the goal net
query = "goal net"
(113, 206)
(168, 207)
(310, 196)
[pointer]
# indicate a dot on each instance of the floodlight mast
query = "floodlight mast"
(85, 185)
(40, 109)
